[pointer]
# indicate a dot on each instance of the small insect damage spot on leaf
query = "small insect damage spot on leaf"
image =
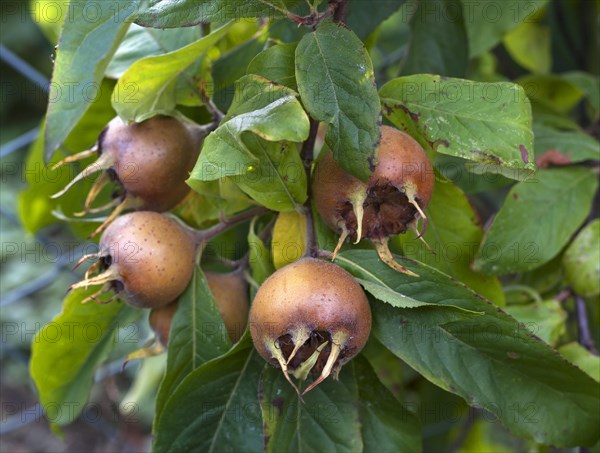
(515, 196)
(434, 144)
(277, 403)
(524, 154)
(413, 116)
(489, 158)
(513, 355)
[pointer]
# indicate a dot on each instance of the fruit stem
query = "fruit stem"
(307, 158)
(201, 236)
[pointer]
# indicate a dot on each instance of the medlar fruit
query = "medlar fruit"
(389, 203)
(310, 316)
(149, 162)
(145, 257)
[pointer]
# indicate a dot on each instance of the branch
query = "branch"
(307, 158)
(212, 232)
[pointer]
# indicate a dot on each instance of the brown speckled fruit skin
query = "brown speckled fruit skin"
(331, 185)
(402, 163)
(310, 293)
(152, 158)
(160, 320)
(231, 294)
(154, 256)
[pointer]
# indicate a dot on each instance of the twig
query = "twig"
(212, 232)
(307, 158)
(585, 336)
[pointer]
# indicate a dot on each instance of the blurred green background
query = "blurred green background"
(35, 270)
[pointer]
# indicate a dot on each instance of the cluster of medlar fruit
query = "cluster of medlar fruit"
(310, 316)
(146, 258)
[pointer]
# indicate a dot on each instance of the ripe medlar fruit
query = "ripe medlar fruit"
(231, 295)
(389, 203)
(145, 257)
(160, 320)
(149, 161)
(310, 316)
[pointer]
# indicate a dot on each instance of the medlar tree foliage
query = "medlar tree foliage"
(492, 322)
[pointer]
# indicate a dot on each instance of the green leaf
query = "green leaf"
(529, 46)
(85, 49)
(34, 203)
(263, 164)
(386, 294)
(491, 361)
(438, 43)
(364, 17)
(489, 20)
(489, 123)
(49, 15)
(215, 199)
(551, 92)
(386, 424)
(186, 13)
(337, 86)
(140, 42)
(197, 335)
(215, 408)
(276, 64)
(584, 359)
(515, 242)
(328, 420)
(356, 413)
(66, 352)
(232, 66)
(454, 242)
(582, 261)
(590, 85)
(277, 180)
(545, 319)
(574, 146)
(35, 207)
(260, 261)
(149, 85)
